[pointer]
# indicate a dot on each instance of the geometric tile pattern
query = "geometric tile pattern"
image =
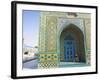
(48, 57)
(52, 64)
(42, 36)
(51, 33)
(47, 42)
(49, 60)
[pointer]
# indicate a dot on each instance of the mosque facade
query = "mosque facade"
(64, 37)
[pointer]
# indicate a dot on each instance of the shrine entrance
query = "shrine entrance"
(72, 47)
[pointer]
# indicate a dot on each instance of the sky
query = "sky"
(31, 21)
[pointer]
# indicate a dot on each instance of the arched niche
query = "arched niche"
(72, 32)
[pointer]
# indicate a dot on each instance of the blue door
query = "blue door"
(69, 50)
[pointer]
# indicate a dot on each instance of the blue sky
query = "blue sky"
(31, 21)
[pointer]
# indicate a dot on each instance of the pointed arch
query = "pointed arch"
(72, 32)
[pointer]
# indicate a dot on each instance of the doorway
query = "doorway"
(69, 49)
(72, 47)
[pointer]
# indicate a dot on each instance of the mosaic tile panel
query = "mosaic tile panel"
(48, 60)
(51, 33)
(48, 57)
(42, 32)
(52, 64)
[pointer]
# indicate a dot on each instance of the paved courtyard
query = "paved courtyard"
(31, 64)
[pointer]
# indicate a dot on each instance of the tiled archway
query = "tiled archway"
(75, 52)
